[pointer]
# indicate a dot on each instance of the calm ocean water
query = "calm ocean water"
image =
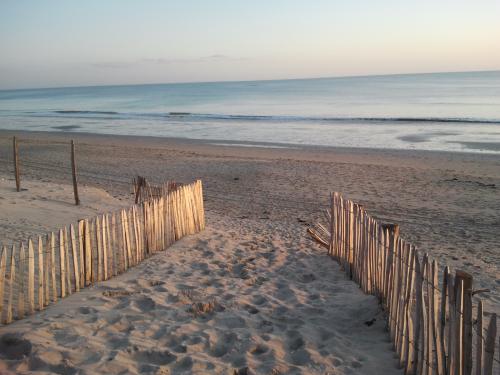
(449, 112)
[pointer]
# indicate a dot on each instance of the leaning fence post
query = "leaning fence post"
(332, 224)
(73, 171)
(16, 163)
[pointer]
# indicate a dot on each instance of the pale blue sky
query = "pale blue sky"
(95, 42)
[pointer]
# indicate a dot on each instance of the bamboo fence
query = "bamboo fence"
(40, 271)
(429, 310)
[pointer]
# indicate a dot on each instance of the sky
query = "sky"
(54, 43)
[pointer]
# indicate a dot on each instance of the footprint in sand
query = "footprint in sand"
(224, 342)
(13, 346)
(266, 326)
(51, 362)
(86, 310)
(145, 304)
(259, 349)
(183, 366)
(176, 344)
(259, 300)
(251, 309)
(155, 357)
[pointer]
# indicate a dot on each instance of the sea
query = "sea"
(454, 112)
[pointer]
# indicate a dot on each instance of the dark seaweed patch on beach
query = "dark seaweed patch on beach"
(66, 127)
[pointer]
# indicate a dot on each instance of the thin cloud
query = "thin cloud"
(202, 59)
(165, 61)
(111, 65)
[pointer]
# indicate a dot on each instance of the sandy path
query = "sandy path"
(279, 307)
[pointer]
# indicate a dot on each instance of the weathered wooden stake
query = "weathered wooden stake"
(16, 164)
(73, 170)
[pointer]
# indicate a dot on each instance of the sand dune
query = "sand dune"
(43, 206)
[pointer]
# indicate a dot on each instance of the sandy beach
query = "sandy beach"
(280, 305)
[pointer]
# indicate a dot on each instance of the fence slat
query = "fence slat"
(53, 266)
(99, 248)
(62, 264)
(413, 358)
(3, 267)
(444, 304)
(436, 320)
(20, 292)
(459, 342)
(451, 361)
(31, 277)
(81, 251)
(110, 260)
(479, 339)
(115, 245)
(12, 278)
(489, 347)
(46, 272)
(104, 231)
(87, 254)
(76, 266)
(66, 257)
(41, 276)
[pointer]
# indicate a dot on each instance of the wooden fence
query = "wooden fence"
(144, 191)
(39, 272)
(432, 324)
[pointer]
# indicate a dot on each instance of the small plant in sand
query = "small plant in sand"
(186, 294)
(203, 308)
(239, 269)
(116, 293)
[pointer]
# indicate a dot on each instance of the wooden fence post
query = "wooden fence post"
(73, 171)
(16, 163)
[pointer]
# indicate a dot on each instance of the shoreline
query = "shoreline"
(217, 143)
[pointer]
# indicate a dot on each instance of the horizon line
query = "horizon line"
(249, 80)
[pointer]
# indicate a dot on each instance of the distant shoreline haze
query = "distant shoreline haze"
(250, 80)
